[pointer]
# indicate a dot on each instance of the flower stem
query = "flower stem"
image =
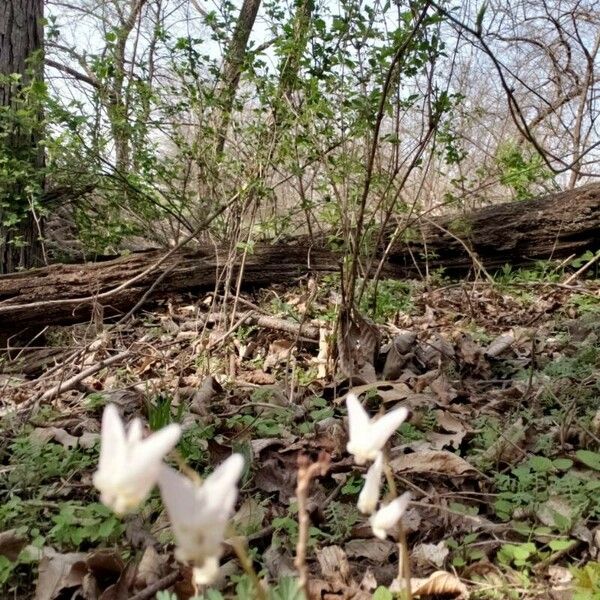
(246, 562)
(389, 477)
(404, 562)
(306, 472)
(403, 556)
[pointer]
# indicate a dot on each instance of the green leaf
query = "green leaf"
(382, 593)
(287, 589)
(541, 464)
(589, 459)
(558, 545)
(562, 464)
(6, 569)
(523, 551)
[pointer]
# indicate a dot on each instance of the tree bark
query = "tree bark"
(290, 63)
(21, 39)
(234, 64)
(517, 233)
(72, 293)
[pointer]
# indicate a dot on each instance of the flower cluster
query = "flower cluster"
(130, 466)
(367, 439)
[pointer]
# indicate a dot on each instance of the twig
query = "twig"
(307, 471)
(398, 56)
(162, 584)
(471, 253)
(555, 556)
(529, 388)
(583, 269)
(69, 384)
(303, 331)
(245, 317)
(563, 286)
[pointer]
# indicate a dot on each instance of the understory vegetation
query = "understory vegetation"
(299, 299)
(500, 451)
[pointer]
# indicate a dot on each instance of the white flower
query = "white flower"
(369, 436)
(129, 465)
(199, 514)
(207, 573)
(387, 516)
(369, 495)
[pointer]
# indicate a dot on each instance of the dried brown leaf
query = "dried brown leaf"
(439, 441)
(334, 566)
(43, 435)
(388, 391)
(279, 352)
(357, 344)
(150, 568)
(434, 461)
(258, 378)
(442, 388)
(11, 544)
(426, 555)
(400, 354)
(58, 572)
(200, 401)
(440, 583)
(373, 549)
(279, 562)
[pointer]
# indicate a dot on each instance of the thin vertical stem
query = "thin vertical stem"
(307, 471)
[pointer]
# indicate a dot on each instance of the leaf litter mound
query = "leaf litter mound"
(501, 450)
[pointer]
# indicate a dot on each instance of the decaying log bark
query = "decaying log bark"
(72, 293)
(515, 233)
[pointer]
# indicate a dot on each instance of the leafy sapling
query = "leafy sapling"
(129, 466)
(369, 436)
(199, 514)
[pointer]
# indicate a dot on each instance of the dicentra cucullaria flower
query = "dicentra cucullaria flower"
(369, 495)
(129, 466)
(199, 514)
(369, 436)
(387, 516)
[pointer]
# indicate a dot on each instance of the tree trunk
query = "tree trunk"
(234, 64)
(290, 63)
(517, 233)
(21, 42)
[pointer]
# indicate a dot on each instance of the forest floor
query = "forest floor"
(501, 450)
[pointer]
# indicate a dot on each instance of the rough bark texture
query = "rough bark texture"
(21, 36)
(234, 64)
(71, 293)
(515, 233)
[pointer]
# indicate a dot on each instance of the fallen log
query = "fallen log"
(62, 294)
(516, 233)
